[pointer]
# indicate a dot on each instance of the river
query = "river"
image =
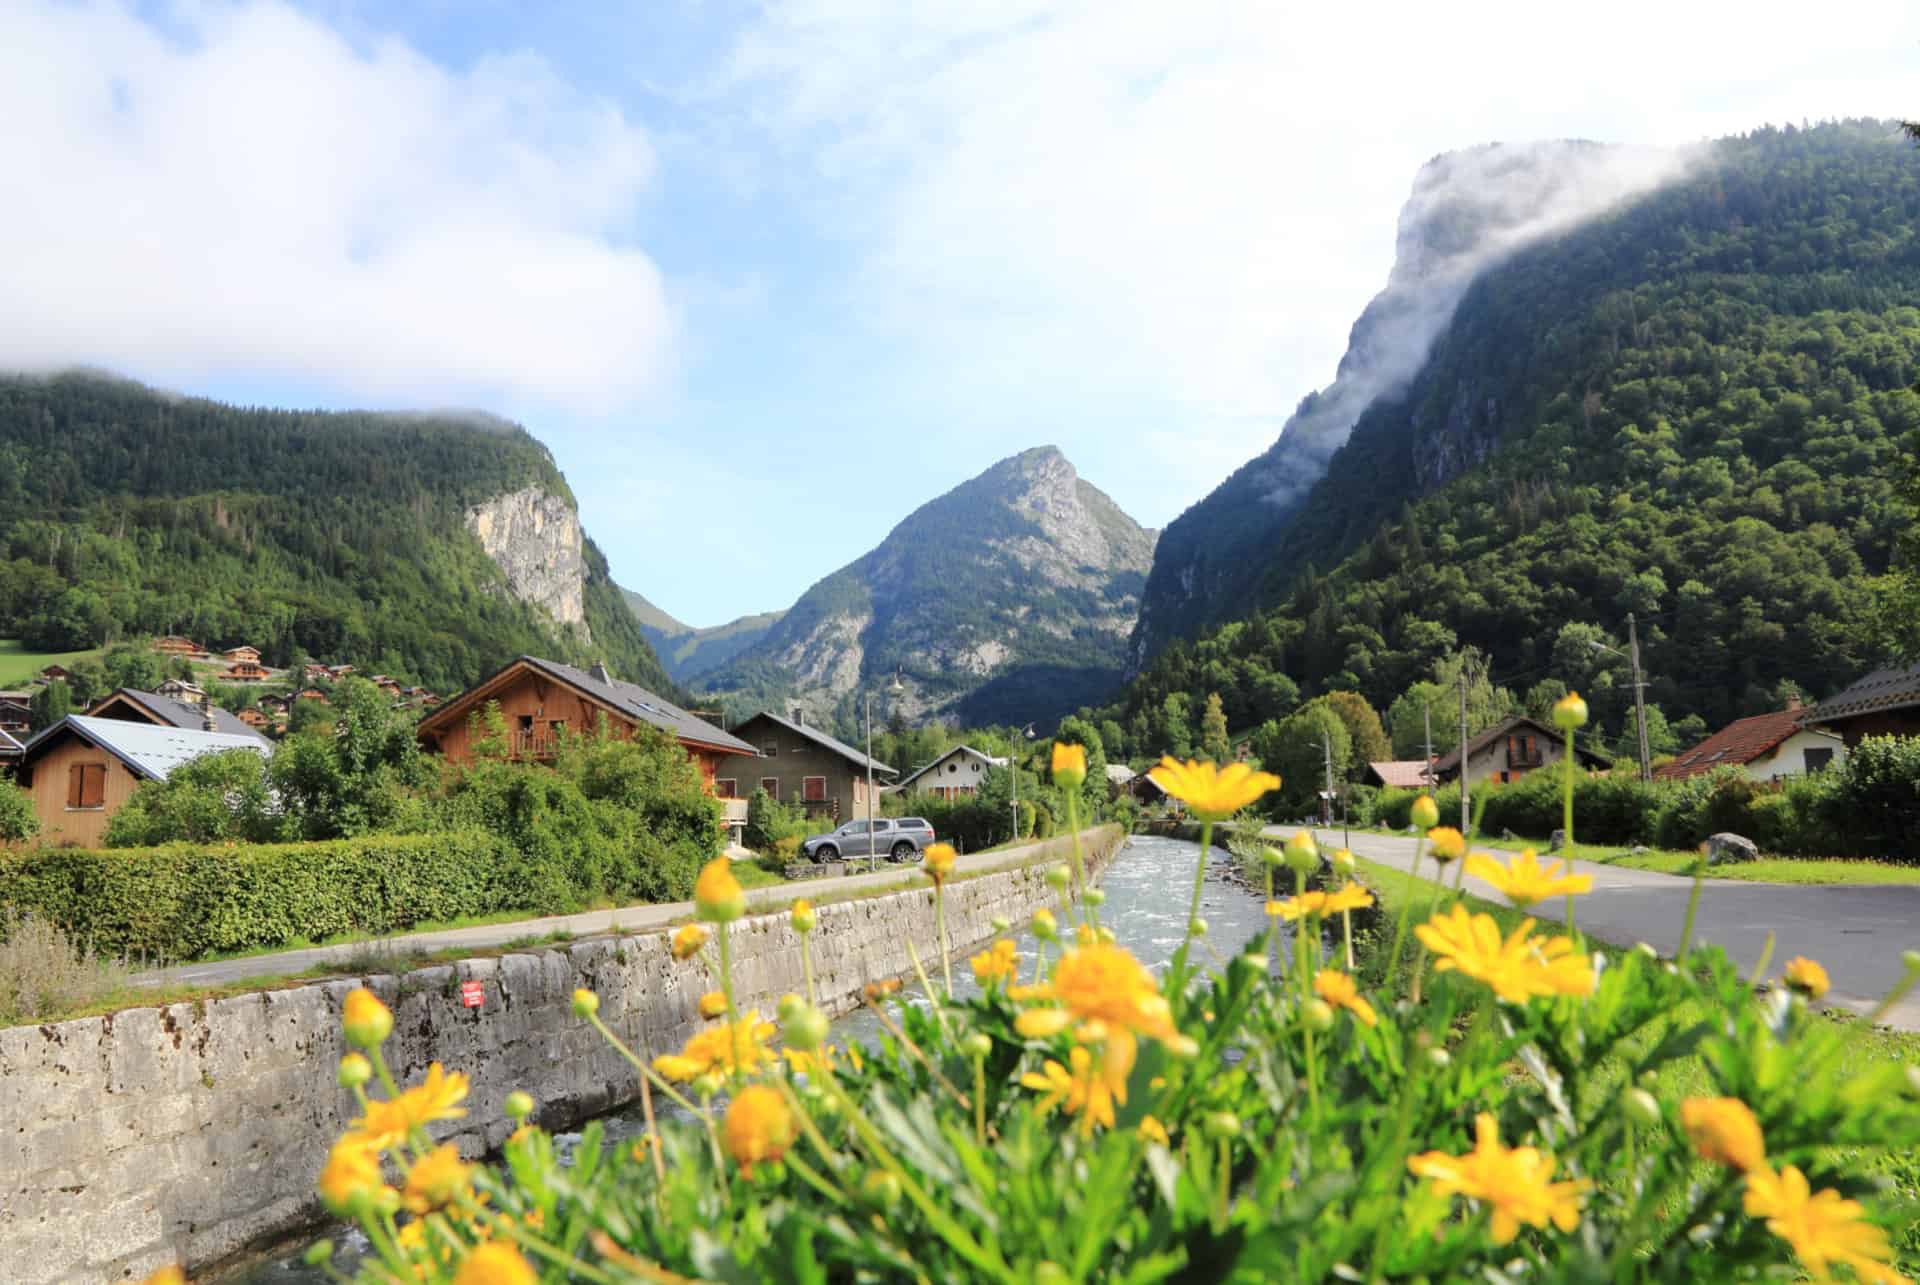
(1148, 886)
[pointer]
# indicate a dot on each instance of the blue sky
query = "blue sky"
(765, 277)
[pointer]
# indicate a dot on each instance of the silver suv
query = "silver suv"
(895, 838)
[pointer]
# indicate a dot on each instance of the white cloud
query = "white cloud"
(245, 192)
(1189, 204)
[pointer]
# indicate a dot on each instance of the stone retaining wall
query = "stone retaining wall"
(194, 1132)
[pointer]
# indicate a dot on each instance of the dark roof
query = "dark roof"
(10, 745)
(1741, 741)
(175, 713)
(1450, 761)
(1883, 689)
(1401, 774)
(630, 699)
(819, 737)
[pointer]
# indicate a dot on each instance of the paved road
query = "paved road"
(1857, 932)
(629, 919)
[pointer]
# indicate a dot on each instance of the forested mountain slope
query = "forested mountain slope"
(430, 546)
(687, 651)
(1690, 409)
(1008, 598)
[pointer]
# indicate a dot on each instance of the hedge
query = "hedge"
(183, 901)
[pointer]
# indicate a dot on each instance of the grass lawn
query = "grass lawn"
(18, 665)
(1765, 870)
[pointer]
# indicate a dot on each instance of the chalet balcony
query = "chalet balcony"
(1521, 759)
(537, 745)
(733, 811)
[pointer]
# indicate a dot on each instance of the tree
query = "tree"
(1296, 748)
(1112, 739)
(214, 798)
(1214, 744)
(1176, 725)
(1368, 737)
(50, 704)
(1078, 731)
(309, 715)
(360, 778)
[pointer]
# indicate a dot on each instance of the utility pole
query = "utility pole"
(1464, 765)
(1639, 698)
(1326, 743)
(1426, 770)
(873, 849)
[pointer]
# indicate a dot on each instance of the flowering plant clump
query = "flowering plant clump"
(1084, 1118)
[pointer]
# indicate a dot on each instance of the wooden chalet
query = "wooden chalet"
(245, 671)
(1509, 750)
(82, 770)
(1884, 703)
(55, 674)
(175, 645)
(133, 706)
(310, 694)
(797, 763)
(542, 699)
(236, 655)
(16, 712)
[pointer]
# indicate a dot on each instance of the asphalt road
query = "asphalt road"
(1857, 932)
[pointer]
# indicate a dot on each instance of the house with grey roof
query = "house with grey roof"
(82, 770)
(177, 705)
(957, 774)
(798, 763)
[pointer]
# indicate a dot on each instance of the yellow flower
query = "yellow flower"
(717, 895)
(365, 1019)
(1341, 991)
(995, 964)
(1045, 927)
(1518, 968)
(688, 941)
(714, 1049)
(496, 1263)
(939, 859)
(1446, 844)
(713, 1004)
(1212, 793)
(1806, 976)
(759, 1126)
(1515, 1183)
(351, 1175)
(1069, 764)
(1425, 813)
(811, 1061)
(1290, 908)
(1153, 1131)
(1822, 1229)
(1350, 897)
(438, 1097)
(1523, 880)
(1086, 935)
(1087, 1091)
(1723, 1130)
(167, 1276)
(1105, 985)
(436, 1179)
(803, 917)
(1569, 712)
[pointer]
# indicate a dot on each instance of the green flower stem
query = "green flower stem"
(1766, 957)
(1079, 865)
(1346, 923)
(933, 1000)
(1302, 956)
(1313, 1073)
(1226, 1188)
(1899, 992)
(723, 933)
(1566, 819)
(828, 1156)
(385, 1239)
(980, 1101)
(1273, 922)
(379, 1060)
(946, 951)
(1693, 906)
(806, 964)
(915, 1051)
(986, 1260)
(813, 1179)
(1406, 909)
(646, 1072)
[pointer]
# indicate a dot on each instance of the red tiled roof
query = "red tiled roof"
(1739, 742)
(1401, 774)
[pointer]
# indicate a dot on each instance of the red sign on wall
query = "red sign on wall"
(473, 994)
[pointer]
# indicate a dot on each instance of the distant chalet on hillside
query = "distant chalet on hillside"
(170, 707)
(1508, 751)
(541, 699)
(83, 769)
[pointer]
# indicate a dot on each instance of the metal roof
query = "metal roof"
(181, 714)
(821, 738)
(149, 749)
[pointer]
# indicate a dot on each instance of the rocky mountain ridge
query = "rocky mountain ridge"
(688, 651)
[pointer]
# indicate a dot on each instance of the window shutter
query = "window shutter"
(76, 776)
(93, 785)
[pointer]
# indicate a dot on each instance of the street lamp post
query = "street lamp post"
(1632, 657)
(1013, 768)
(894, 688)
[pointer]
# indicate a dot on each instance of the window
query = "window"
(87, 785)
(881, 827)
(813, 789)
(770, 749)
(953, 767)
(1818, 759)
(771, 784)
(726, 787)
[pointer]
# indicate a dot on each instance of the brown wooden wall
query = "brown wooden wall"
(62, 826)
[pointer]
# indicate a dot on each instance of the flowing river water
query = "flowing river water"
(1149, 884)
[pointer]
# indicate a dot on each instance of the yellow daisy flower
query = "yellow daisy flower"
(996, 964)
(1446, 844)
(1723, 1130)
(1518, 968)
(436, 1179)
(351, 1174)
(759, 1126)
(1342, 991)
(714, 1049)
(496, 1263)
(1515, 1183)
(717, 895)
(1806, 976)
(1523, 880)
(688, 940)
(1088, 1091)
(1210, 792)
(1823, 1229)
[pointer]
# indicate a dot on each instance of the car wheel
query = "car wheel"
(826, 852)
(904, 851)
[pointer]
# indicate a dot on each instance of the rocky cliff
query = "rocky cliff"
(536, 541)
(1010, 597)
(1468, 211)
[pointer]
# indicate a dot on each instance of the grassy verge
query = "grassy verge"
(17, 665)
(1803, 870)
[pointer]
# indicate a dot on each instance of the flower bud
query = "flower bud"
(1045, 927)
(1001, 924)
(717, 895)
(1438, 1058)
(355, 1071)
(1445, 844)
(1913, 1080)
(803, 917)
(1649, 1080)
(1569, 712)
(1196, 927)
(789, 1004)
(707, 1087)
(713, 1004)
(366, 1021)
(1319, 1015)
(1910, 960)
(1069, 765)
(977, 1045)
(1107, 934)
(1343, 861)
(1640, 1107)
(519, 1105)
(688, 940)
(880, 1188)
(1048, 1272)
(1425, 813)
(318, 1254)
(1248, 966)
(1059, 877)
(938, 861)
(585, 1003)
(806, 1030)
(1220, 1124)
(1303, 854)
(1096, 897)
(1273, 857)
(1646, 948)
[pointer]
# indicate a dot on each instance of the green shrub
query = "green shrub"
(770, 821)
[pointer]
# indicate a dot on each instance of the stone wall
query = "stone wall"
(194, 1132)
